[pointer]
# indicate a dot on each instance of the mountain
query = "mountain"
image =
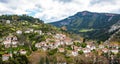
(91, 25)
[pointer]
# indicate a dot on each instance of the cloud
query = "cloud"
(4, 1)
(54, 10)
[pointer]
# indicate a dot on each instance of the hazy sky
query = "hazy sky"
(53, 10)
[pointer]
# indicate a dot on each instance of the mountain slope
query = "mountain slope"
(90, 24)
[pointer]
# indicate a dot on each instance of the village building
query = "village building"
(10, 41)
(115, 51)
(23, 52)
(8, 21)
(61, 49)
(101, 46)
(86, 50)
(27, 31)
(19, 32)
(38, 31)
(5, 57)
(38, 45)
(105, 50)
(74, 53)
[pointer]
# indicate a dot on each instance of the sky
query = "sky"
(55, 10)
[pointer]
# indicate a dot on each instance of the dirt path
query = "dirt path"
(35, 57)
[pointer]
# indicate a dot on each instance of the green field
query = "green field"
(85, 30)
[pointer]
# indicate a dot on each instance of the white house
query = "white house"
(14, 38)
(44, 48)
(86, 50)
(101, 46)
(7, 43)
(92, 47)
(19, 32)
(5, 57)
(74, 53)
(38, 45)
(31, 30)
(115, 51)
(8, 21)
(27, 31)
(68, 41)
(105, 50)
(14, 43)
(23, 51)
(38, 31)
(61, 49)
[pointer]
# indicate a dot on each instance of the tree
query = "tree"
(0, 59)
(41, 60)
(47, 61)
(15, 17)
(84, 40)
(83, 45)
(77, 43)
(80, 52)
(52, 52)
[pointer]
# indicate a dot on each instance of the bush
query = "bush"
(80, 52)
(52, 52)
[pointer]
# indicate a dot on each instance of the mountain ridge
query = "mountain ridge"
(91, 25)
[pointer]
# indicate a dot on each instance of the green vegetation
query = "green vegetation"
(24, 23)
(92, 25)
(85, 30)
(52, 52)
(80, 52)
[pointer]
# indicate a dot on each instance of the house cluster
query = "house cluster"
(86, 50)
(30, 30)
(10, 41)
(114, 48)
(62, 40)
(6, 56)
(58, 40)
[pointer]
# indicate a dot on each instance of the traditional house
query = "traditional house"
(7, 21)
(74, 53)
(31, 30)
(44, 48)
(89, 54)
(74, 47)
(101, 46)
(115, 51)
(105, 50)
(14, 43)
(5, 57)
(61, 49)
(19, 32)
(7, 43)
(68, 41)
(60, 36)
(27, 31)
(38, 31)
(10, 41)
(86, 50)
(14, 38)
(23, 52)
(38, 45)
(92, 47)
